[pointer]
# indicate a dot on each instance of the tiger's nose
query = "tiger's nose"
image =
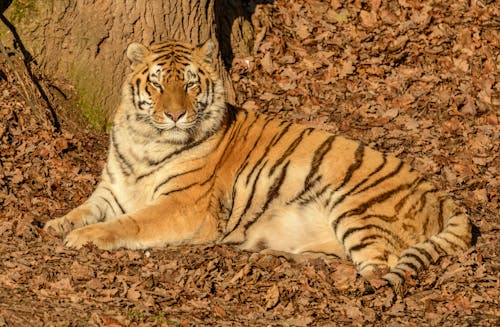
(175, 116)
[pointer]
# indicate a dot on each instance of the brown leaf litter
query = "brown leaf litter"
(417, 79)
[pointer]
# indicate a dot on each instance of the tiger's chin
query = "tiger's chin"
(176, 136)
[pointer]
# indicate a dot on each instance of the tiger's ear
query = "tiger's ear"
(136, 53)
(205, 51)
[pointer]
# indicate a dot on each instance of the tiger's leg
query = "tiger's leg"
(372, 261)
(370, 249)
(160, 224)
(101, 205)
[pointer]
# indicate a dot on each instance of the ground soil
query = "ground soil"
(417, 79)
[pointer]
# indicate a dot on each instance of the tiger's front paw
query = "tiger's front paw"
(59, 226)
(97, 234)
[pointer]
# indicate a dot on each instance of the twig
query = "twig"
(25, 91)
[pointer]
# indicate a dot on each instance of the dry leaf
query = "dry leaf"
(272, 297)
(347, 69)
(267, 63)
(368, 19)
(335, 65)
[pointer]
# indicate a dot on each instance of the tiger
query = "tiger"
(184, 167)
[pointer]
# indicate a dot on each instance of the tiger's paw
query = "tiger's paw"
(97, 234)
(59, 226)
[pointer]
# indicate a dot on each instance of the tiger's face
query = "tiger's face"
(174, 92)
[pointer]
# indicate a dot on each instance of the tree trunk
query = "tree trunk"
(84, 41)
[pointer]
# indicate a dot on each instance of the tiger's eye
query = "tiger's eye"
(156, 85)
(191, 84)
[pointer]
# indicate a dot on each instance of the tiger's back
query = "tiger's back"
(296, 189)
(185, 168)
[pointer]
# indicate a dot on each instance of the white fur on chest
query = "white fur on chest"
(154, 167)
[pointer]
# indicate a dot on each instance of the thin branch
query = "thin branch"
(24, 92)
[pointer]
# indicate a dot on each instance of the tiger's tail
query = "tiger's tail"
(454, 236)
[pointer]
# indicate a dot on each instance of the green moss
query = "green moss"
(157, 318)
(88, 88)
(92, 113)
(22, 9)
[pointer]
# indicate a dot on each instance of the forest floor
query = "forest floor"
(417, 79)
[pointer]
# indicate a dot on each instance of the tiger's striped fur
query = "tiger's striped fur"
(185, 168)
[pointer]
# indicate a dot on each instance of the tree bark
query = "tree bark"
(84, 41)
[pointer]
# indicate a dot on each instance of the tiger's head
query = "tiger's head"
(173, 92)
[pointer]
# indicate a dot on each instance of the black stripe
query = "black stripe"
(321, 252)
(271, 195)
(128, 169)
(206, 193)
(316, 162)
(385, 218)
(375, 237)
(102, 215)
(460, 237)
(439, 250)
(424, 252)
(212, 90)
(275, 188)
(410, 265)
(250, 124)
(358, 160)
(163, 61)
(440, 213)
(235, 133)
(179, 189)
(245, 162)
(115, 199)
(383, 178)
(379, 168)
(371, 237)
(171, 46)
(165, 181)
(109, 204)
(137, 94)
(423, 203)
(289, 151)
(207, 88)
(385, 239)
(362, 208)
(132, 94)
(343, 196)
(454, 246)
(250, 197)
(397, 273)
(359, 247)
(174, 153)
(189, 186)
(313, 196)
(414, 256)
(423, 199)
(350, 231)
(276, 138)
(108, 173)
(401, 203)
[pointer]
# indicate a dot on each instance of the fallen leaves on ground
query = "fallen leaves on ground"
(417, 79)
